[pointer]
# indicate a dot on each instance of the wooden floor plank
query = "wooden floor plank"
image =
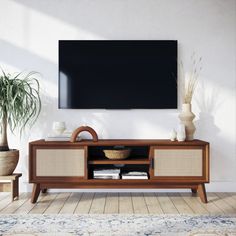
(229, 200)
(57, 203)
(112, 203)
(84, 204)
(4, 195)
(139, 203)
(27, 206)
(194, 204)
(42, 205)
(11, 208)
(166, 204)
(211, 207)
(125, 203)
(220, 203)
(122, 203)
(180, 204)
(98, 203)
(152, 203)
(71, 203)
(233, 195)
(5, 202)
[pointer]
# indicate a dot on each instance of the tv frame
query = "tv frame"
(164, 108)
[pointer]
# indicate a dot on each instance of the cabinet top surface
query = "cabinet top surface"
(112, 142)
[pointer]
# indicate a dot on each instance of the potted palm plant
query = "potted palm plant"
(20, 106)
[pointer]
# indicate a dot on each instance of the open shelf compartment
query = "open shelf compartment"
(138, 155)
(124, 168)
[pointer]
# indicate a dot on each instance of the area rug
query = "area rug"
(116, 225)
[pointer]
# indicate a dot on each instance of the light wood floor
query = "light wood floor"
(123, 203)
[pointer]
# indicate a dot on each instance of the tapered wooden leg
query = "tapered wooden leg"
(44, 190)
(35, 193)
(194, 190)
(202, 192)
(15, 189)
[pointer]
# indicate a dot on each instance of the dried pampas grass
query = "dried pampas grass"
(189, 80)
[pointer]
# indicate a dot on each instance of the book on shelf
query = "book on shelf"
(62, 137)
(106, 174)
(107, 177)
(135, 175)
(106, 171)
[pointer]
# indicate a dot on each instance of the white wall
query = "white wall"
(29, 34)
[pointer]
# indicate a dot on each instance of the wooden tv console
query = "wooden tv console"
(70, 164)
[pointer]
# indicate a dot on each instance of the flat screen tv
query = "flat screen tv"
(118, 74)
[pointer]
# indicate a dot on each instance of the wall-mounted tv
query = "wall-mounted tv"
(118, 74)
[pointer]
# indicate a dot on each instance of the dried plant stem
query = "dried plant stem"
(190, 84)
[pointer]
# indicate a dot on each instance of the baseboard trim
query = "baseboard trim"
(221, 187)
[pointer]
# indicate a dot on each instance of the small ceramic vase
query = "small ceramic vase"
(58, 127)
(181, 133)
(173, 135)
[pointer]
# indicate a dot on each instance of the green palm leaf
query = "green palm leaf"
(20, 102)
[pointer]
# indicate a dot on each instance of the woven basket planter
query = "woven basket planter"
(117, 154)
(8, 161)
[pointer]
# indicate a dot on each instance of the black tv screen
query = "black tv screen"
(118, 74)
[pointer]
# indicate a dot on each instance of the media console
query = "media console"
(56, 164)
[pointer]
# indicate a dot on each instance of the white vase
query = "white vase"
(181, 135)
(186, 117)
(58, 127)
(173, 135)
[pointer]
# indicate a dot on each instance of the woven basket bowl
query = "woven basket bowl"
(117, 154)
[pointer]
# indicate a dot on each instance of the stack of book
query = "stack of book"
(106, 174)
(61, 137)
(135, 175)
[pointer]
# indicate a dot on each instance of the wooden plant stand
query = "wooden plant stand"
(10, 183)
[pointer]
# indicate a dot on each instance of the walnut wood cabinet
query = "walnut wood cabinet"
(71, 164)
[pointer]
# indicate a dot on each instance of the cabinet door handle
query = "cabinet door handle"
(152, 163)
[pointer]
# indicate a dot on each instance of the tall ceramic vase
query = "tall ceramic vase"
(186, 117)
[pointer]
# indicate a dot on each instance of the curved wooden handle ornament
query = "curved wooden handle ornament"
(82, 129)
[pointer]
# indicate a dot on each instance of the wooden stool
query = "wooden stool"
(12, 187)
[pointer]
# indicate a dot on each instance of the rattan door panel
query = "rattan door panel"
(178, 162)
(60, 162)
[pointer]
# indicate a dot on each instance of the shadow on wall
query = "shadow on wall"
(208, 104)
(23, 59)
(126, 19)
(106, 18)
(137, 124)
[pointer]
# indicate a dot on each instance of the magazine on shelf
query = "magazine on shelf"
(107, 177)
(107, 172)
(135, 175)
(62, 137)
